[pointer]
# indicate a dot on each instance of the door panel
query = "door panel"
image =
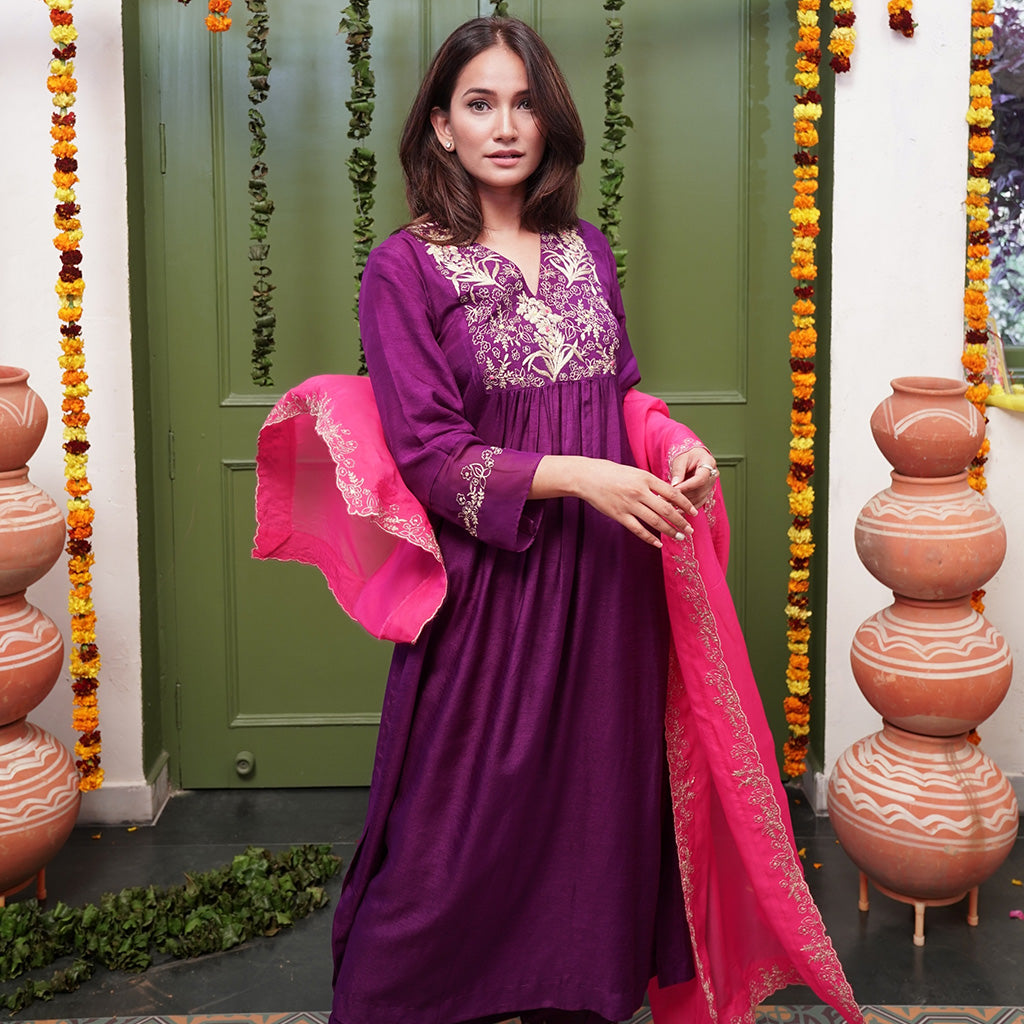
(260, 658)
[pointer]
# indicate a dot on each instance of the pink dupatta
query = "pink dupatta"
(329, 494)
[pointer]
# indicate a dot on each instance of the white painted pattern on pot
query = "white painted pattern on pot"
(26, 507)
(902, 424)
(952, 798)
(27, 637)
(22, 412)
(38, 781)
(939, 650)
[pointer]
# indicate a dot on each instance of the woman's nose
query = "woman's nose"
(506, 126)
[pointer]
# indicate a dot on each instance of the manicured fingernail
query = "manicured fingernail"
(680, 536)
(676, 480)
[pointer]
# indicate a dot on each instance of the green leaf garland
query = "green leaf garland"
(500, 8)
(260, 204)
(616, 122)
(258, 893)
(362, 162)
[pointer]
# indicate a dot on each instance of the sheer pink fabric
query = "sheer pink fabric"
(323, 440)
(752, 921)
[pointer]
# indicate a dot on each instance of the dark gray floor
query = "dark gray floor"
(201, 830)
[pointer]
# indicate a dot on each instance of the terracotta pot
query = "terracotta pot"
(22, 418)
(930, 538)
(31, 656)
(934, 667)
(39, 800)
(31, 531)
(926, 427)
(927, 817)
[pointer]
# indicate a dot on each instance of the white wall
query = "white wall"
(29, 337)
(897, 309)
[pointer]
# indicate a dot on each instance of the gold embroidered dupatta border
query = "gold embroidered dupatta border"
(753, 923)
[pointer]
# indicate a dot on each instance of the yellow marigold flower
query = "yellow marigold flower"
(92, 780)
(68, 240)
(979, 186)
(69, 314)
(63, 34)
(807, 111)
(977, 393)
(801, 443)
(70, 287)
(806, 16)
(980, 118)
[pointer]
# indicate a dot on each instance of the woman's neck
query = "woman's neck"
(502, 213)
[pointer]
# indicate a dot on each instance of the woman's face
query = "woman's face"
(490, 124)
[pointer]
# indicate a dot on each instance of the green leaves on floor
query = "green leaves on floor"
(258, 893)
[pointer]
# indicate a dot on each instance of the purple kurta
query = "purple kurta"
(518, 850)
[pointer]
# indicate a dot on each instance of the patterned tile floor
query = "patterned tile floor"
(766, 1015)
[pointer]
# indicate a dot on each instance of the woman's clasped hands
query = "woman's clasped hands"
(643, 503)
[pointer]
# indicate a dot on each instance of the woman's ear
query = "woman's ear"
(442, 127)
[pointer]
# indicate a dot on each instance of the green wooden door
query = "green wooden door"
(261, 670)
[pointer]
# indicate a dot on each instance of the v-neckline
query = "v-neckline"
(532, 292)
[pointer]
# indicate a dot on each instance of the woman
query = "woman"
(513, 854)
(522, 850)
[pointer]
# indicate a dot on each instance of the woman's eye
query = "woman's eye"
(478, 105)
(526, 104)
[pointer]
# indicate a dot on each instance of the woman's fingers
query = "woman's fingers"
(694, 474)
(640, 501)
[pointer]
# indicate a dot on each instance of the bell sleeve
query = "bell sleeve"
(454, 473)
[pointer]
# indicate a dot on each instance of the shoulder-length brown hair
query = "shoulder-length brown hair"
(437, 187)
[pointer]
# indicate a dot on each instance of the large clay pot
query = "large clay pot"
(31, 531)
(926, 427)
(22, 418)
(934, 667)
(31, 656)
(930, 538)
(927, 817)
(39, 801)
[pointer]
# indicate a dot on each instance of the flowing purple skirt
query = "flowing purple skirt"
(518, 850)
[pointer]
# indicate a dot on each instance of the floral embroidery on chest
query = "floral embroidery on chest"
(565, 332)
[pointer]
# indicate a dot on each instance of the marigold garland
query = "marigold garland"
(900, 18)
(803, 346)
(84, 657)
(980, 156)
(843, 37)
(362, 161)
